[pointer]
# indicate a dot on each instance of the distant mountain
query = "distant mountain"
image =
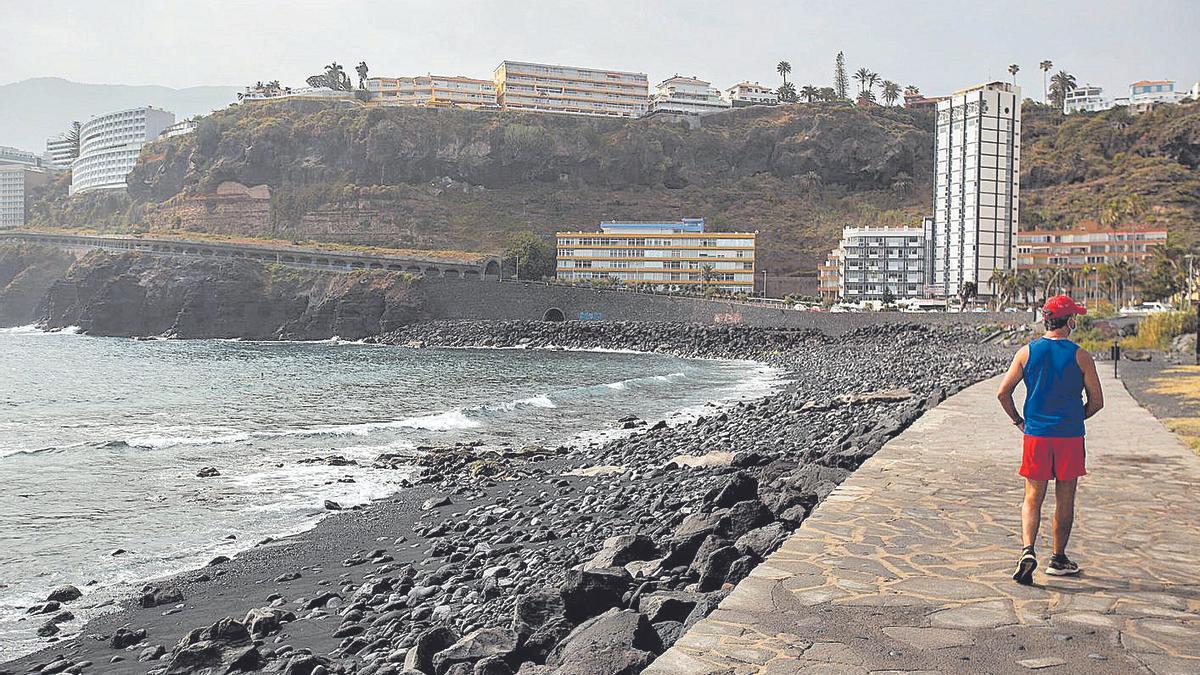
(33, 110)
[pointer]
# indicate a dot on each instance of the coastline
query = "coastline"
(401, 527)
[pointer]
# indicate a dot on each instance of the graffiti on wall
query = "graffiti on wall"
(591, 316)
(732, 317)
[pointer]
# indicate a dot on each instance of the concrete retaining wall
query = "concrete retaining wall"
(513, 300)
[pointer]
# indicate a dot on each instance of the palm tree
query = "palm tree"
(912, 90)
(810, 93)
(786, 93)
(362, 71)
(783, 68)
(1045, 66)
(863, 76)
(828, 94)
(1060, 84)
(966, 291)
(1005, 283)
(891, 92)
(1026, 283)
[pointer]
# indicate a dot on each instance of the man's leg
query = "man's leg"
(1031, 511)
(1064, 513)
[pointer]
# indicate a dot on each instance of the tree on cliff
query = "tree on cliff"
(1013, 70)
(529, 256)
(786, 93)
(783, 69)
(73, 139)
(810, 93)
(1045, 66)
(362, 71)
(1062, 83)
(841, 84)
(891, 92)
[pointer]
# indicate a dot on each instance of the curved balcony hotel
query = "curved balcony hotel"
(109, 146)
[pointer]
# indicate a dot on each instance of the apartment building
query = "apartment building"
(750, 93)
(11, 155)
(687, 96)
(660, 255)
(16, 183)
(109, 146)
(977, 159)
(452, 91)
(571, 90)
(872, 261)
(60, 150)
(1086, 248)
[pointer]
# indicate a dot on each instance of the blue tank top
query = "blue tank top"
(1053, 390)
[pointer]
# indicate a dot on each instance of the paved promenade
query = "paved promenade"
(906, 567)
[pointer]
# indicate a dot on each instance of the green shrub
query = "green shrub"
(1158, 330)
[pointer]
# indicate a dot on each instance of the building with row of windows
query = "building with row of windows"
(660, 255)
(1143, 95)
(574, 90)
(977, 187)
(870, 263)
(109, 146)
(432, 90)
(687, 96)
(1086, 249)
(16, 183)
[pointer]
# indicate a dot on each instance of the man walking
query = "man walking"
(1057, 373)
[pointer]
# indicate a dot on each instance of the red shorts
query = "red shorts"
(1059, 458)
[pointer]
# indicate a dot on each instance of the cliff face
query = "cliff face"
(133, 294)
(26, 273)
(451, 179)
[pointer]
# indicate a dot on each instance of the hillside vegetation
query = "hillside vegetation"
(450, 179)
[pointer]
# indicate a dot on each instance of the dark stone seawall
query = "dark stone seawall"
(529, 301)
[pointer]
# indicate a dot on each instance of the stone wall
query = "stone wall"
(512, 300)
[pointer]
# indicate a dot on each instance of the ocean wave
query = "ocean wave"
(34, 329)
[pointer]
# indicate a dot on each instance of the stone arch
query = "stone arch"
(491, 270)
(554, 314)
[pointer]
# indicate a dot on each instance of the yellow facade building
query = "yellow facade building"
(573, 90)
(663, 256)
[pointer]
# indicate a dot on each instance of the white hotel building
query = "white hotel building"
(109, 146)
(687, 96)
(660, 255)
(750, 93)
(978, 161)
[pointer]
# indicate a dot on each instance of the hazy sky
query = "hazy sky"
(939, 46)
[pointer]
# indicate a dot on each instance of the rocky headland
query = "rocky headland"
(588, 559)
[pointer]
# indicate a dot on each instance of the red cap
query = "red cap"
(1061, 306)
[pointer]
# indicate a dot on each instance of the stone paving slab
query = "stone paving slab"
(907, 566)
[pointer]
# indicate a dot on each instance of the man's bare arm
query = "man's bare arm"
(1008, 385)
(1091, 383)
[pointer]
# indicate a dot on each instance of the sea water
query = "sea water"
(101, 440)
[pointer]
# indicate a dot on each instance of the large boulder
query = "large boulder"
(746, 516)
(740, 487)
(715, 568)
(621, 550)
(761, 541)
(668, 605)
(153, 596)
(223, 647)
(64, 593)
(535, 609)
(618, 642)
(474, 646)
(432, 641)
(588, 592)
